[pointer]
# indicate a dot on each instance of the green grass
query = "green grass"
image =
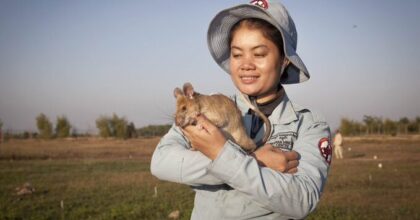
(89, 189)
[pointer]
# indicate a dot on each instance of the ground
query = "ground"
(93, 178)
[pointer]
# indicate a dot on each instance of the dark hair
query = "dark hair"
(267, 29)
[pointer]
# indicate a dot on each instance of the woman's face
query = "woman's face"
(254, 63)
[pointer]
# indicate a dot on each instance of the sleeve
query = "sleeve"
(292, 195)
(173, 161)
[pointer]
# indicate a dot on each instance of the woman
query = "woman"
(256, 44)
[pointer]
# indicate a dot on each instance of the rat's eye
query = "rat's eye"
(184, 108)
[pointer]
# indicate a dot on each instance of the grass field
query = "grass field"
(110, 179)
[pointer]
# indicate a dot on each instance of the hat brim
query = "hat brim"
(218, 40)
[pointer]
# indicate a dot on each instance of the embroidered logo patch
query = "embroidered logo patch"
(261, 3)
(325, 148)
(283, 140)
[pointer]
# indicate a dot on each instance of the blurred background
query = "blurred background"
(84, 59)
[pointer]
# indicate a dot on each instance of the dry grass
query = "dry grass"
(110, 179)
(80, 148)
(358, 189)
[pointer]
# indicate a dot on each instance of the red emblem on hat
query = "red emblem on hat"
(261, 3)
(325, 148)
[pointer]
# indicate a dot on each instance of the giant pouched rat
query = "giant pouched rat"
(218, 109)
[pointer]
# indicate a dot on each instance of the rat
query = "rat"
(218, 109)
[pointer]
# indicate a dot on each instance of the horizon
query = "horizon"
(95, 131)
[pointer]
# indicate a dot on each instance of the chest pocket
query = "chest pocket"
(283, 137)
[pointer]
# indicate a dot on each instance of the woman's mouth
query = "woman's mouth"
(248, 79)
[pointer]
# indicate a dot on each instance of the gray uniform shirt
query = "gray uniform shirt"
(234, 186)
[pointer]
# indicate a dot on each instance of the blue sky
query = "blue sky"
(83, 59)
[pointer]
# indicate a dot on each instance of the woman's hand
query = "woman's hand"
(205, 137)
(209, 140)
(276, 159)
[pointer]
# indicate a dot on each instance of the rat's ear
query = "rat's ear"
(178, 92)
(188, 90)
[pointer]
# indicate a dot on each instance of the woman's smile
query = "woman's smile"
(254, 63)
(249, 79)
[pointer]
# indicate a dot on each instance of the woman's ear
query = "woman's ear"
(283, 70)
(284, 65)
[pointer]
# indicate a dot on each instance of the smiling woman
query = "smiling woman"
(256, 59)
(256, 44)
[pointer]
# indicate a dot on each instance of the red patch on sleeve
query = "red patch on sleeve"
(325, 149)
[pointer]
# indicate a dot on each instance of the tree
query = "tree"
(131, 130)
(153, 130)
(44, 126)
(62, 129)
(349, 127)
(112, 127)
(369, 122)
(378, 125)
(360, 128)
(119, 126)
(412, 126)
(403, 124)
(390, 127)
(103, 125)
(346, 127)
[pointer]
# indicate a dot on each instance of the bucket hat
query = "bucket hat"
(270, 11)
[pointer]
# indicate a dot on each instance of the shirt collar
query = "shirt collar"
(284, 113)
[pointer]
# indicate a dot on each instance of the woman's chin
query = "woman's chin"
(249, 91)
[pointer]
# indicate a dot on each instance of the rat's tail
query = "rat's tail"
(261, 115)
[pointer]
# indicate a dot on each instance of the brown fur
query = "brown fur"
(219, 109)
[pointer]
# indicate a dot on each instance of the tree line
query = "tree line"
(372, 125)
(119, 127)
(108, 127)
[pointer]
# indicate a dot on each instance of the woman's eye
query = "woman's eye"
(260, 55)
(236, 55)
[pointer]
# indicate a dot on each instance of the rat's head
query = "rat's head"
(187, 106)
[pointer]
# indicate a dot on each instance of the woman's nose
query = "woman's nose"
(247, 64)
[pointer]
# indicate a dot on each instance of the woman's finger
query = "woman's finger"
(292, 164)
(187, 131)
(292, 171)
(190, 133)
(266, 147)
(205, 123)
(291, 155)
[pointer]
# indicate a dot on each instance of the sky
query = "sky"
(88, 58)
